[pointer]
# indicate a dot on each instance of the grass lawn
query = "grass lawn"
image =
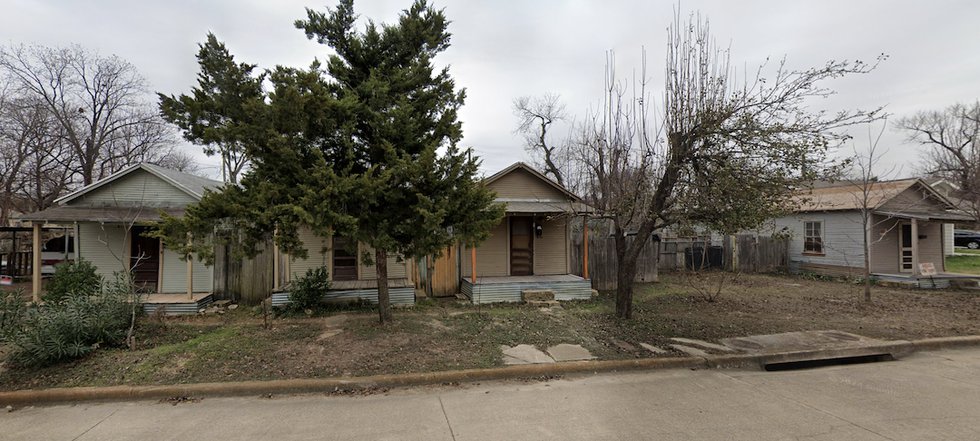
(964, 263)
(449, 335)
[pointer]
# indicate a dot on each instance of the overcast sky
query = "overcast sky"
(505, 49)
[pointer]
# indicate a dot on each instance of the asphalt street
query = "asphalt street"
(927, 396)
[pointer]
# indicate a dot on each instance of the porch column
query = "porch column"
(190, 268)
(36, 263)
(275, 261)
(585, 248)
(473, 264)
(915, 247)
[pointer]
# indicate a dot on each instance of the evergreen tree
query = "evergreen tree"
(219, 112)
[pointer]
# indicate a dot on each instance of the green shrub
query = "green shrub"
(12, 309)
(308, 291)
(72, 328)
(72, 279)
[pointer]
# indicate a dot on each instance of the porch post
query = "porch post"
(36, 263)
(473, 264)
(585, 248)
(190, 268)
(275, 261)
(915, 247)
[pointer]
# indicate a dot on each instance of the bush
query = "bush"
(308, 291)
(68, 329)
(12, 309)
(71, 280)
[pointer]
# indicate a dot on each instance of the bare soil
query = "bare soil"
(441, 335)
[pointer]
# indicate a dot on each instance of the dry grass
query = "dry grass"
(447, 335)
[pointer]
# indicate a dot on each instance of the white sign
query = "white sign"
(927, 269)
(6, 280)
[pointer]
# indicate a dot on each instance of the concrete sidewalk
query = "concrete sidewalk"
(929, 395)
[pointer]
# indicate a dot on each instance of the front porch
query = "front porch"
(176, 304)
(509, 288)
(401, 292)
(938, 281)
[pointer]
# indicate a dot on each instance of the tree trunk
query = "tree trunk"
(625, 274)
(381, 265)
(867, 260)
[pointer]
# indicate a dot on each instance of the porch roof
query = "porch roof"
(529, 206)
(68, 213)
(926, 216)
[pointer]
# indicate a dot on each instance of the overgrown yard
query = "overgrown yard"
(450, 335)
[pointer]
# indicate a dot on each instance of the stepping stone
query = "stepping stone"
(703, 344)
(653, 348)
(567, 352)
(690, 351)
(524, 354)
(623, 345)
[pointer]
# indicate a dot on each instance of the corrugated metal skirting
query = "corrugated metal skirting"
(511, 292)
(396, 296)
(188, 308)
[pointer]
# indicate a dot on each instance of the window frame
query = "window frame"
(808, 238)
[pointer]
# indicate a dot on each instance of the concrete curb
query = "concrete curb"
(326, 385)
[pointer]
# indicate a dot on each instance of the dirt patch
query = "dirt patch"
(447, 335)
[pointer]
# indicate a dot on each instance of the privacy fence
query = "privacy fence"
(743, 253)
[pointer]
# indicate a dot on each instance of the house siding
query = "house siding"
(949, 246)
(550, 252)
(104, 245)
(884, 246)
(139, 188)
(396, 269)
(913, 200)
(175, 274)
(521, 184)
(842, 238)
(931, 247)
(492, 255)
(318, 255)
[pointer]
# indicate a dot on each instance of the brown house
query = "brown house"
(531, 248)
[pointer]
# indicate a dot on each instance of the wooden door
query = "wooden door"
(521, 246)
(344, 259)
(144, 260)
(905, 248)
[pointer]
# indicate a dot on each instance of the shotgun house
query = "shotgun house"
(905, 230)
(111, 219)
(530, 250)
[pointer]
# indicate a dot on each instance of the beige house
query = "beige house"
(906, 230)
(110, 219)
(530, 248)
(350, 277)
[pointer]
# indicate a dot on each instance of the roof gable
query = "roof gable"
(520, 181)
(142, 185)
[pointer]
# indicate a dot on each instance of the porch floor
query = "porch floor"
(343, 285)
(161, 298)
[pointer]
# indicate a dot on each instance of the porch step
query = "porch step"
(537, 295)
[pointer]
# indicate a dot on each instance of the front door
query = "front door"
(144, 260)
(521, 246)
(905, 248)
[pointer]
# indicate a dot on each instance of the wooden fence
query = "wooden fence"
(743, 253)
(248, 281)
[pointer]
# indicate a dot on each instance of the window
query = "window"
(344, 259)
(813, 237)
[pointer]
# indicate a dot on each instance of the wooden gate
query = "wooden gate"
(439, 276)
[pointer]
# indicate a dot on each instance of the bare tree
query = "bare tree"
(535, 117)
(868, 195)
(98, 104)
(952, 136)
(729, 153)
